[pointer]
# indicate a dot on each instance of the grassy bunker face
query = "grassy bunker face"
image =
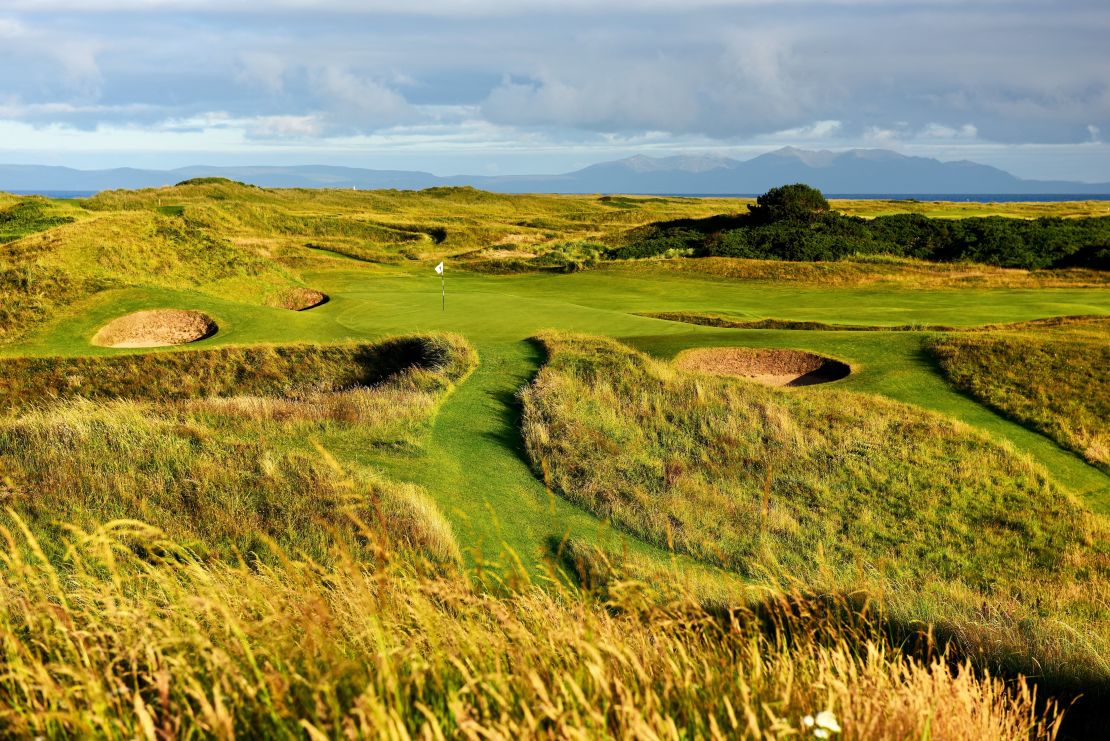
(156, 328)
(770, 367)
(297, 299)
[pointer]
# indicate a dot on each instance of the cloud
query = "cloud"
(262, 69)
(546, 75)
(357, 103)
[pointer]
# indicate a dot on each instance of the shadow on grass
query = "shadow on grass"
(510, 411)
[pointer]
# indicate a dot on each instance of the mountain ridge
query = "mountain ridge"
(854, 171)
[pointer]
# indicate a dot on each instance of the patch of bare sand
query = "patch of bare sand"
(155, 328)
(766, 366)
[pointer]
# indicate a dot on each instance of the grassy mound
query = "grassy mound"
(43, 274)
(826, 488)
(297, 298)
(230, 371)
(30, 216)
(228, 474)
(1055, 381)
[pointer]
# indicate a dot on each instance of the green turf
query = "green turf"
(473, 464)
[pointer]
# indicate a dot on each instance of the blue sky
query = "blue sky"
(484, 87)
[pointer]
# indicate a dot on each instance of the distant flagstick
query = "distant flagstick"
(442, 285)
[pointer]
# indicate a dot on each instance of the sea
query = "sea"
(55, 193)
(967, 197)
(954, 197)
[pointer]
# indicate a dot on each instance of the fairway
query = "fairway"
(473, 464)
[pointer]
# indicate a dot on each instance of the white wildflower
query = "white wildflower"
(824, 725)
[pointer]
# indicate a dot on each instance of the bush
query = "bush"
(794, 223)
(797, 202)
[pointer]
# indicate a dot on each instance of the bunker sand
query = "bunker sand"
(156, 328)
(766, 366)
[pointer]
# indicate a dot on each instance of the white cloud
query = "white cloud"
(277, 127)
(816, 131)
(940, 131)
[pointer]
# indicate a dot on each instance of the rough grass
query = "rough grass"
(718, 320)
(43, 274)
(29, 216)
(225, 473)
(214, 491)
(1054, 380)
(895, 272)
(386, 225)
(247, 244)
(142, 640)
(230, 371)
(830, 488)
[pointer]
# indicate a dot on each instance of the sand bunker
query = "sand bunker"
(297, 299)
(156, 328)
(770, 367)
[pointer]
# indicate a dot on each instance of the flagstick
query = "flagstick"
(443, 288)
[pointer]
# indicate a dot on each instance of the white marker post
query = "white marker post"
(442, 285)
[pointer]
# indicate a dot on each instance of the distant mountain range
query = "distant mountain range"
(858, 171)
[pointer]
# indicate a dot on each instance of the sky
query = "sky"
(542, 86)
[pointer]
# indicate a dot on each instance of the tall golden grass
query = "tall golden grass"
(131, 636)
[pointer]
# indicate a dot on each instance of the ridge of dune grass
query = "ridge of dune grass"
(223, 465)
(143, 640)
(30, 215)
(1055, 382)
(266, 370)
(835, 489)
(871, 271)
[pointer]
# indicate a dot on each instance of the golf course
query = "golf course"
(311, 486)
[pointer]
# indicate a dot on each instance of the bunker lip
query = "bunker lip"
(771, 367)
(155, 328)
(298, 299)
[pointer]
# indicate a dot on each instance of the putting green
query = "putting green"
(473, 463)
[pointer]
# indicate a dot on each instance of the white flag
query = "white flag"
(439, 268)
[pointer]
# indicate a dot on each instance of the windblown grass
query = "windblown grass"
(142, 640)
(1055, 380)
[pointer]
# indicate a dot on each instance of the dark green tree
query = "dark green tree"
(797, 202)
